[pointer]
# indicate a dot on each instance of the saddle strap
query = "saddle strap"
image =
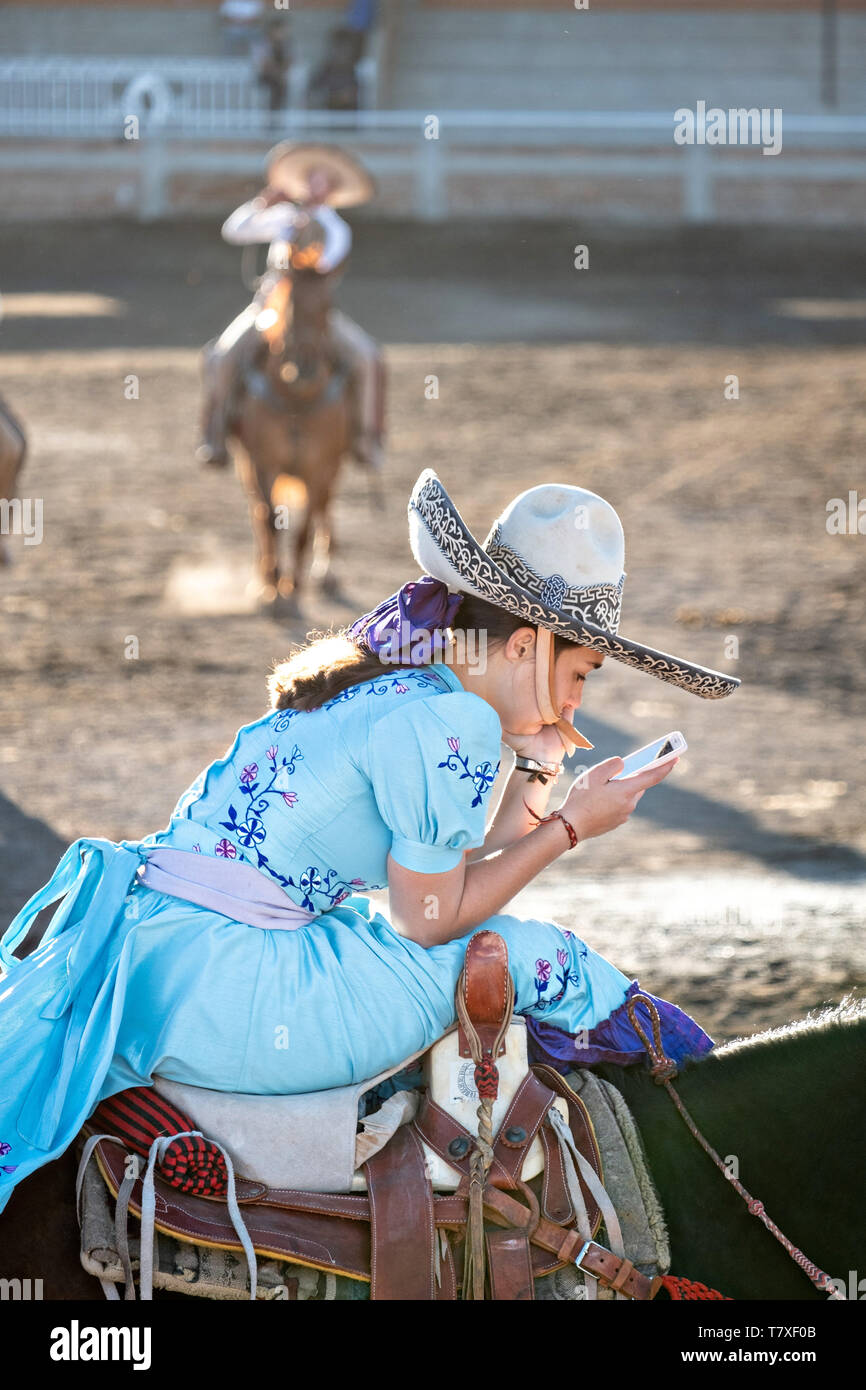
(523, 1120)
(561, 1202)
(570, 1247)
(448, 1138)
(402, 1230)
(510, 1267)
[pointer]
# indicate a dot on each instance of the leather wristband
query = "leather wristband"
(555, 815)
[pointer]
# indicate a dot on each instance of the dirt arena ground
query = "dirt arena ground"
(738, 889)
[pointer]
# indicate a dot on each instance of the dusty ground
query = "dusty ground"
(739, 887)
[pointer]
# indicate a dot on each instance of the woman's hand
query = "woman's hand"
(546, 746)
(596, 805)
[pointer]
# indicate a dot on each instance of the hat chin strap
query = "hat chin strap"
(544, 692)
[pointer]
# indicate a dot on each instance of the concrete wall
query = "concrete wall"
(124, 27)
(598, 59)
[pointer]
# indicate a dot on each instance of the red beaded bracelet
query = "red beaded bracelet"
(555, 815)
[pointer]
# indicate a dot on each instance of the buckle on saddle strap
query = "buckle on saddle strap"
(615, 1273)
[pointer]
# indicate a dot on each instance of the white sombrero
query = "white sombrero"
(289, 164)
(556, 558)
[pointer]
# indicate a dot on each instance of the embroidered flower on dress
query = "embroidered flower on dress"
(562, 959)
(196, 849)
(283, 719)
(542, 980)
(226, 850)
(311, 879)
(272, 752)
(251, 832)
(482, 777)
(290, 798)
(249, 774)
(381, 686)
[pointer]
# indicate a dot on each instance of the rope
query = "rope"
(487, 1085)
(148, 1212)
(662, 1070)
(108, 1287)
(680, 1289)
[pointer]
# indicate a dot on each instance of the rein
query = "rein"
(662, 1070)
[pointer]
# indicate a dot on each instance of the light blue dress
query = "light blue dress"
(130, 982)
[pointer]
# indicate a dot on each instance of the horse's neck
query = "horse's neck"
(784, 1121)
(277, 314)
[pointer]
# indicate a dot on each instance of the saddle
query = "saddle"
(446, 1203)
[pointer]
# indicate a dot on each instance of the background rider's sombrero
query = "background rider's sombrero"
(556, 557)
(288, 169)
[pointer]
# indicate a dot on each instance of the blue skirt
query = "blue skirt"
(129, 983)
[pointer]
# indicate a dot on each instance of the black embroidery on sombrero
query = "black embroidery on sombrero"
(476, 566)
(476, 569)
(600, 604)
(710, 685)
(469, 559)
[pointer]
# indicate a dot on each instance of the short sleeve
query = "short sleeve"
(432, 766)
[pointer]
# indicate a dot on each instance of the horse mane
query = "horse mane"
(847, 1013)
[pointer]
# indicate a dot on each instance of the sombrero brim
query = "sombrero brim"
(444, 546)
(288, 167)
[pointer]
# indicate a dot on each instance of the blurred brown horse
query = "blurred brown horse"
(292, 422)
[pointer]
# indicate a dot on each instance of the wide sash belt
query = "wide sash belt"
(236, 890)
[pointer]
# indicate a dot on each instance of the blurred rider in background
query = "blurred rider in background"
(296, 215)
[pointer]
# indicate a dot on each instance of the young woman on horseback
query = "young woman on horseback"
(296, 214)
(237, 949)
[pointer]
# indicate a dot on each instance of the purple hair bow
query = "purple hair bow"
(407, 628)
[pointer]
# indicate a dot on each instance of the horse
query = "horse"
(292, 422)
(782, 1108)
(13, 449)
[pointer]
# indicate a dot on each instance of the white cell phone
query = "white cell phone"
(662, 750)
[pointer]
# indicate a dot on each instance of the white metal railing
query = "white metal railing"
(182, 96)
(198, 114)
